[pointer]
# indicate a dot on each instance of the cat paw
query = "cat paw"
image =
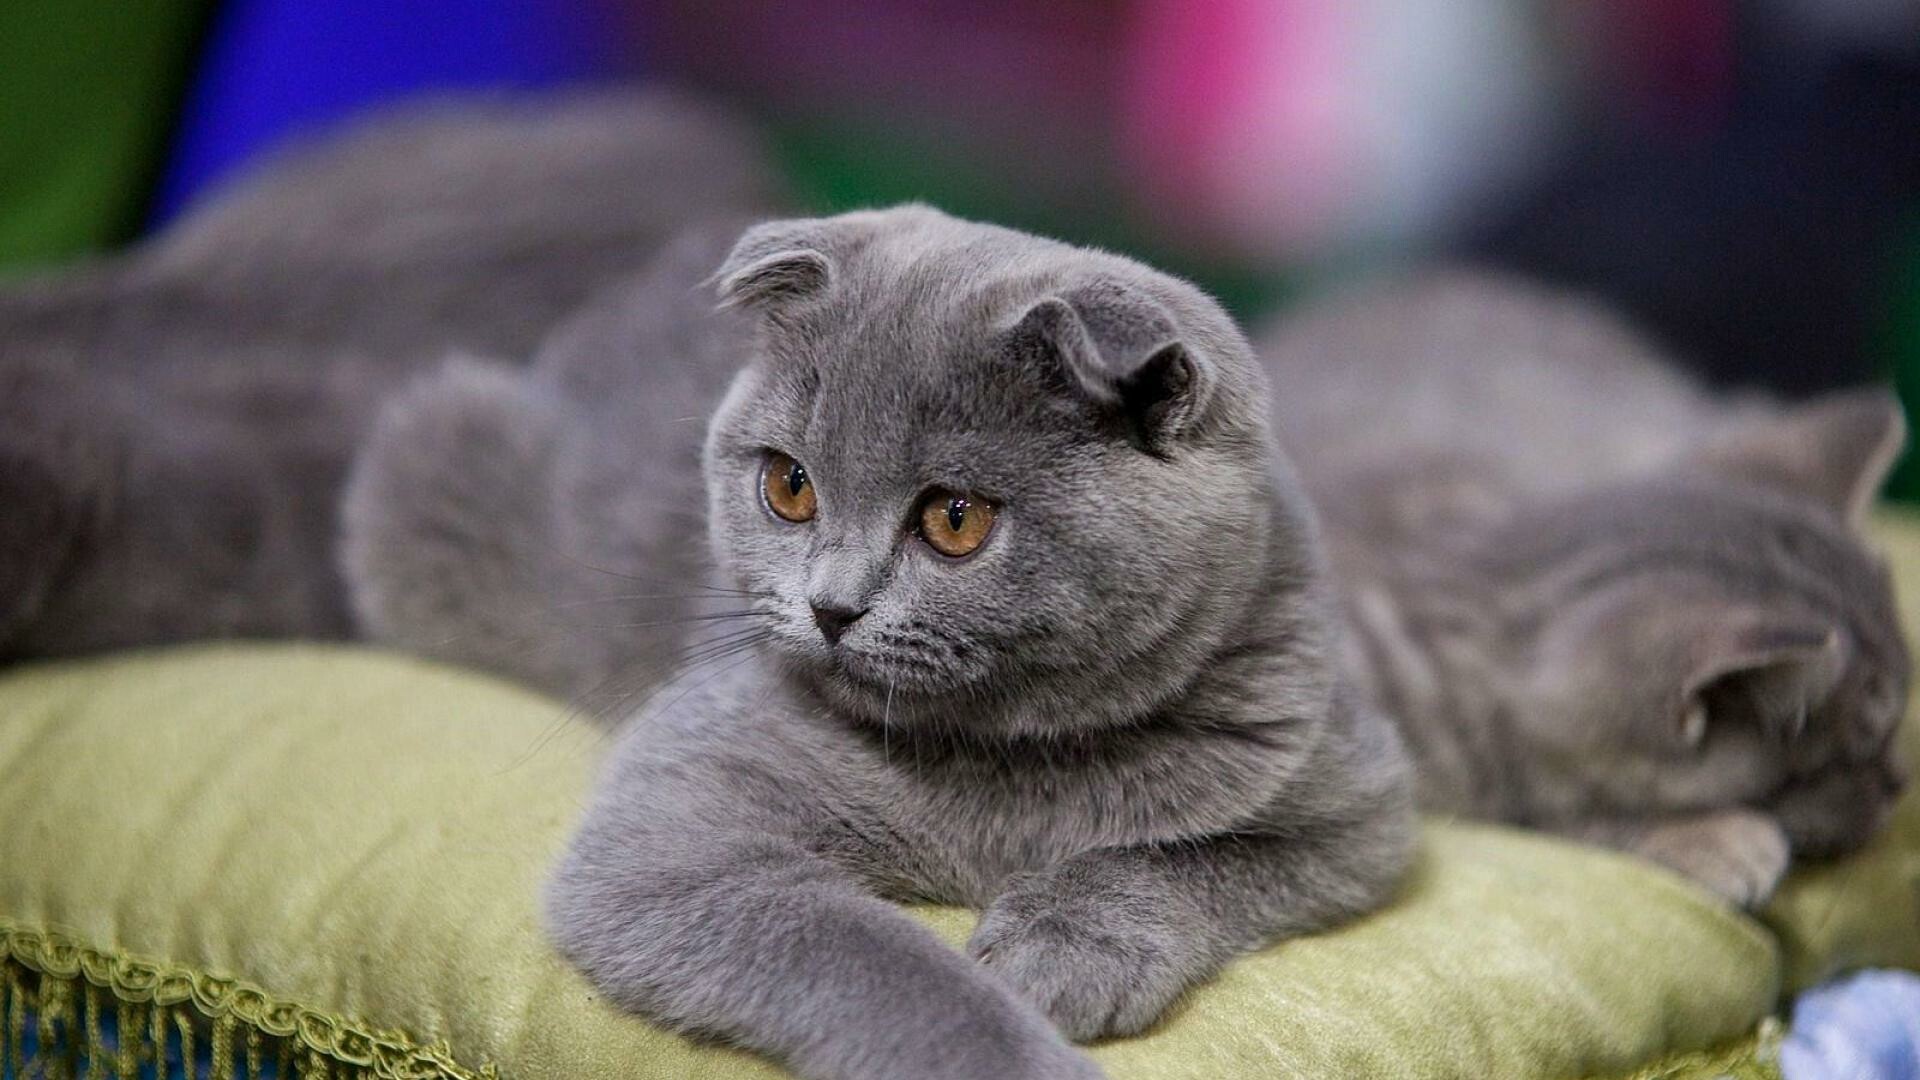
(1094, 973)
(1739, 855)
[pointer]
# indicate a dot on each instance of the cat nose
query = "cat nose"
(833, 621)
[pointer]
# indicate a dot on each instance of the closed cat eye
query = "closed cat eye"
(787, 488)
(955, 525)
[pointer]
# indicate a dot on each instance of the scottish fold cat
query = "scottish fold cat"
(1599, 599)
(1045, 633)
(1023, 608)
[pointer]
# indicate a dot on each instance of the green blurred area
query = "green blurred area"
(88, 93)
(1900, 348)
(836, 166)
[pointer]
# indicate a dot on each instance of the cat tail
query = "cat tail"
(448, 526)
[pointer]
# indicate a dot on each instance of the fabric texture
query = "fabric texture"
(363, 836)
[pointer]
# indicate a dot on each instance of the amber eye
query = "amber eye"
(955, 525)
(788, 490)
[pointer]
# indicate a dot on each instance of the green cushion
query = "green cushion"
(360, 838)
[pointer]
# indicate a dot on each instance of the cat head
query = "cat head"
(986, 481)
(1722, 634)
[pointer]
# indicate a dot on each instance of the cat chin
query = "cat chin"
(886, 691)
(870, 680)
(853, 673)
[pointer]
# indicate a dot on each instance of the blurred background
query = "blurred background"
(1742, 178)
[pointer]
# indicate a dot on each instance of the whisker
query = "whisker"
(711, 616)
(655, 667)
(680, 620)
(641, 701)
(650, 676)
(621, 597)
(694, 648)
(710, 677)
(886, 725)
(686, 661)
(656, 581)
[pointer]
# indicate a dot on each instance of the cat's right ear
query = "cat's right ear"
(1120, 348)
(1836, 450)
(774, 262)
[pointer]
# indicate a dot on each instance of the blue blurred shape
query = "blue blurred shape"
(1864, 1027)
(272, 69)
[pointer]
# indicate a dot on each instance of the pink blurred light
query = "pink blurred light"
(1235, 119)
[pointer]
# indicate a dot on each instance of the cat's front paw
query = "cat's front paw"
(1094, 973)
(1739, 854)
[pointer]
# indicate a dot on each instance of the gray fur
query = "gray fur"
(547, 521)
(1114, 727)
(176, 422)
(1134, 727)
(1599, 600)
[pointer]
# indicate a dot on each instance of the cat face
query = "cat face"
(984, 481)
(1715, 639)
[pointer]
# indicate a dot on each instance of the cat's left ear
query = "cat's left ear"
(1836, 449)
(1121, 348)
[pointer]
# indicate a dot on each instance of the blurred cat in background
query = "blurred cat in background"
(176, 420)
(1600, 600)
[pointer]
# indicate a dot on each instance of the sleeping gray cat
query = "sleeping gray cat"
(1046, 634)
(1599, 600)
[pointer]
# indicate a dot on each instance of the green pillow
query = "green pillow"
(336, 854)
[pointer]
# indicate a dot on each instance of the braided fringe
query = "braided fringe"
(72, 1012)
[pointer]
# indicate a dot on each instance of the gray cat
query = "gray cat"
(1046, 634)
(1031, 615)
(176, 422)
(1598, 600)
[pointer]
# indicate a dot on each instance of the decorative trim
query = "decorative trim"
(55, 990)
(61, 979)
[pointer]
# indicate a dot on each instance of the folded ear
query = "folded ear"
(1120, 348)
(1836, 449)
(774, 262)
(1768, 670)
